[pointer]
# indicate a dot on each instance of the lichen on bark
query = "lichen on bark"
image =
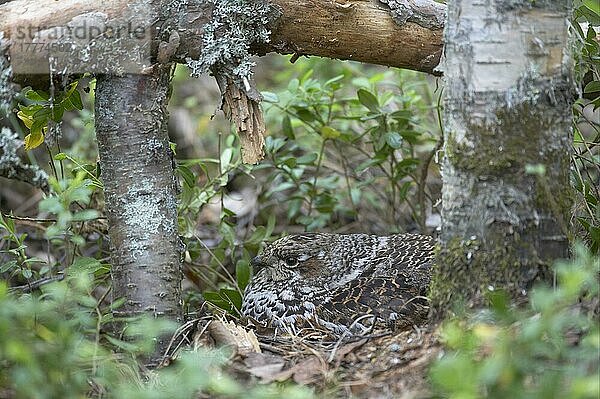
(13, 167)
(234, 27)
(140, 192)
(426, 13)
(7, 88)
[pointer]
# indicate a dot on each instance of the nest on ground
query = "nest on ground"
(381, 364)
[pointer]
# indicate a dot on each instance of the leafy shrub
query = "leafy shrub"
(339, 152)
(55, 339)
(548, 350)
(586, 151)
(41, 109)
(53, 346)
(350, 145)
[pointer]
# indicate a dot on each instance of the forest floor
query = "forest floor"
(381, 365)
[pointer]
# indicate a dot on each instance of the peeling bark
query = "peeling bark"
(140, 192)
(247, 116)
(507, 108)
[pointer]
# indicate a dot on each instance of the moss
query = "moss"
(498, 153)
(557, 203)
(467, 270)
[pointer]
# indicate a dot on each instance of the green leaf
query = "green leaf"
(26, 117)
(8, 265)
(60, 156)
(270, 225)
(290, 162)
(258, 236)
(226, 212)
(215, 299)
(286, 126)
(401, 115)
(269, 97)
(187, 175)
(405, 166)
(71, 89)
(242, 274)
(226, 157)
(593, 5)
(329, 133)
(307, 159)
(211, 296)
(590, 15)
(35, 95)
(411, 136)
(592, 87)
(57, 113)
(393, 139)
(367, 99)
(293, 85)
(331, 82)
(35, 138)
(369, 162)
(305, 115)
(233, 297)
(76, 100)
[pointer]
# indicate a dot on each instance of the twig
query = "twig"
(22, 218)
(424, 172)
(179, 333)
(37, 284)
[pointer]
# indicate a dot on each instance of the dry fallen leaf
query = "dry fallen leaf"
(229, 334)
(263, 365)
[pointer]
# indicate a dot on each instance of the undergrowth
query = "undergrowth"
(346, 145)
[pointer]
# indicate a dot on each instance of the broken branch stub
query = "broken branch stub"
(245, 112)
(233, 28)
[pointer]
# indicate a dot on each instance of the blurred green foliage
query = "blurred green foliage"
(551, 348)
(548, 350)
(52, 345)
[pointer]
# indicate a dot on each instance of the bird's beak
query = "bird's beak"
(257, 263)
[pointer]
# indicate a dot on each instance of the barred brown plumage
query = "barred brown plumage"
(343, 282)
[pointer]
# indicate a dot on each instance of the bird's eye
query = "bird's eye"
(291, 262)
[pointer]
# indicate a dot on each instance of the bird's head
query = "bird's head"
(304, 256)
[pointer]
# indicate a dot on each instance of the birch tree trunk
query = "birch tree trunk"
(505, 170)
(140, 192)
